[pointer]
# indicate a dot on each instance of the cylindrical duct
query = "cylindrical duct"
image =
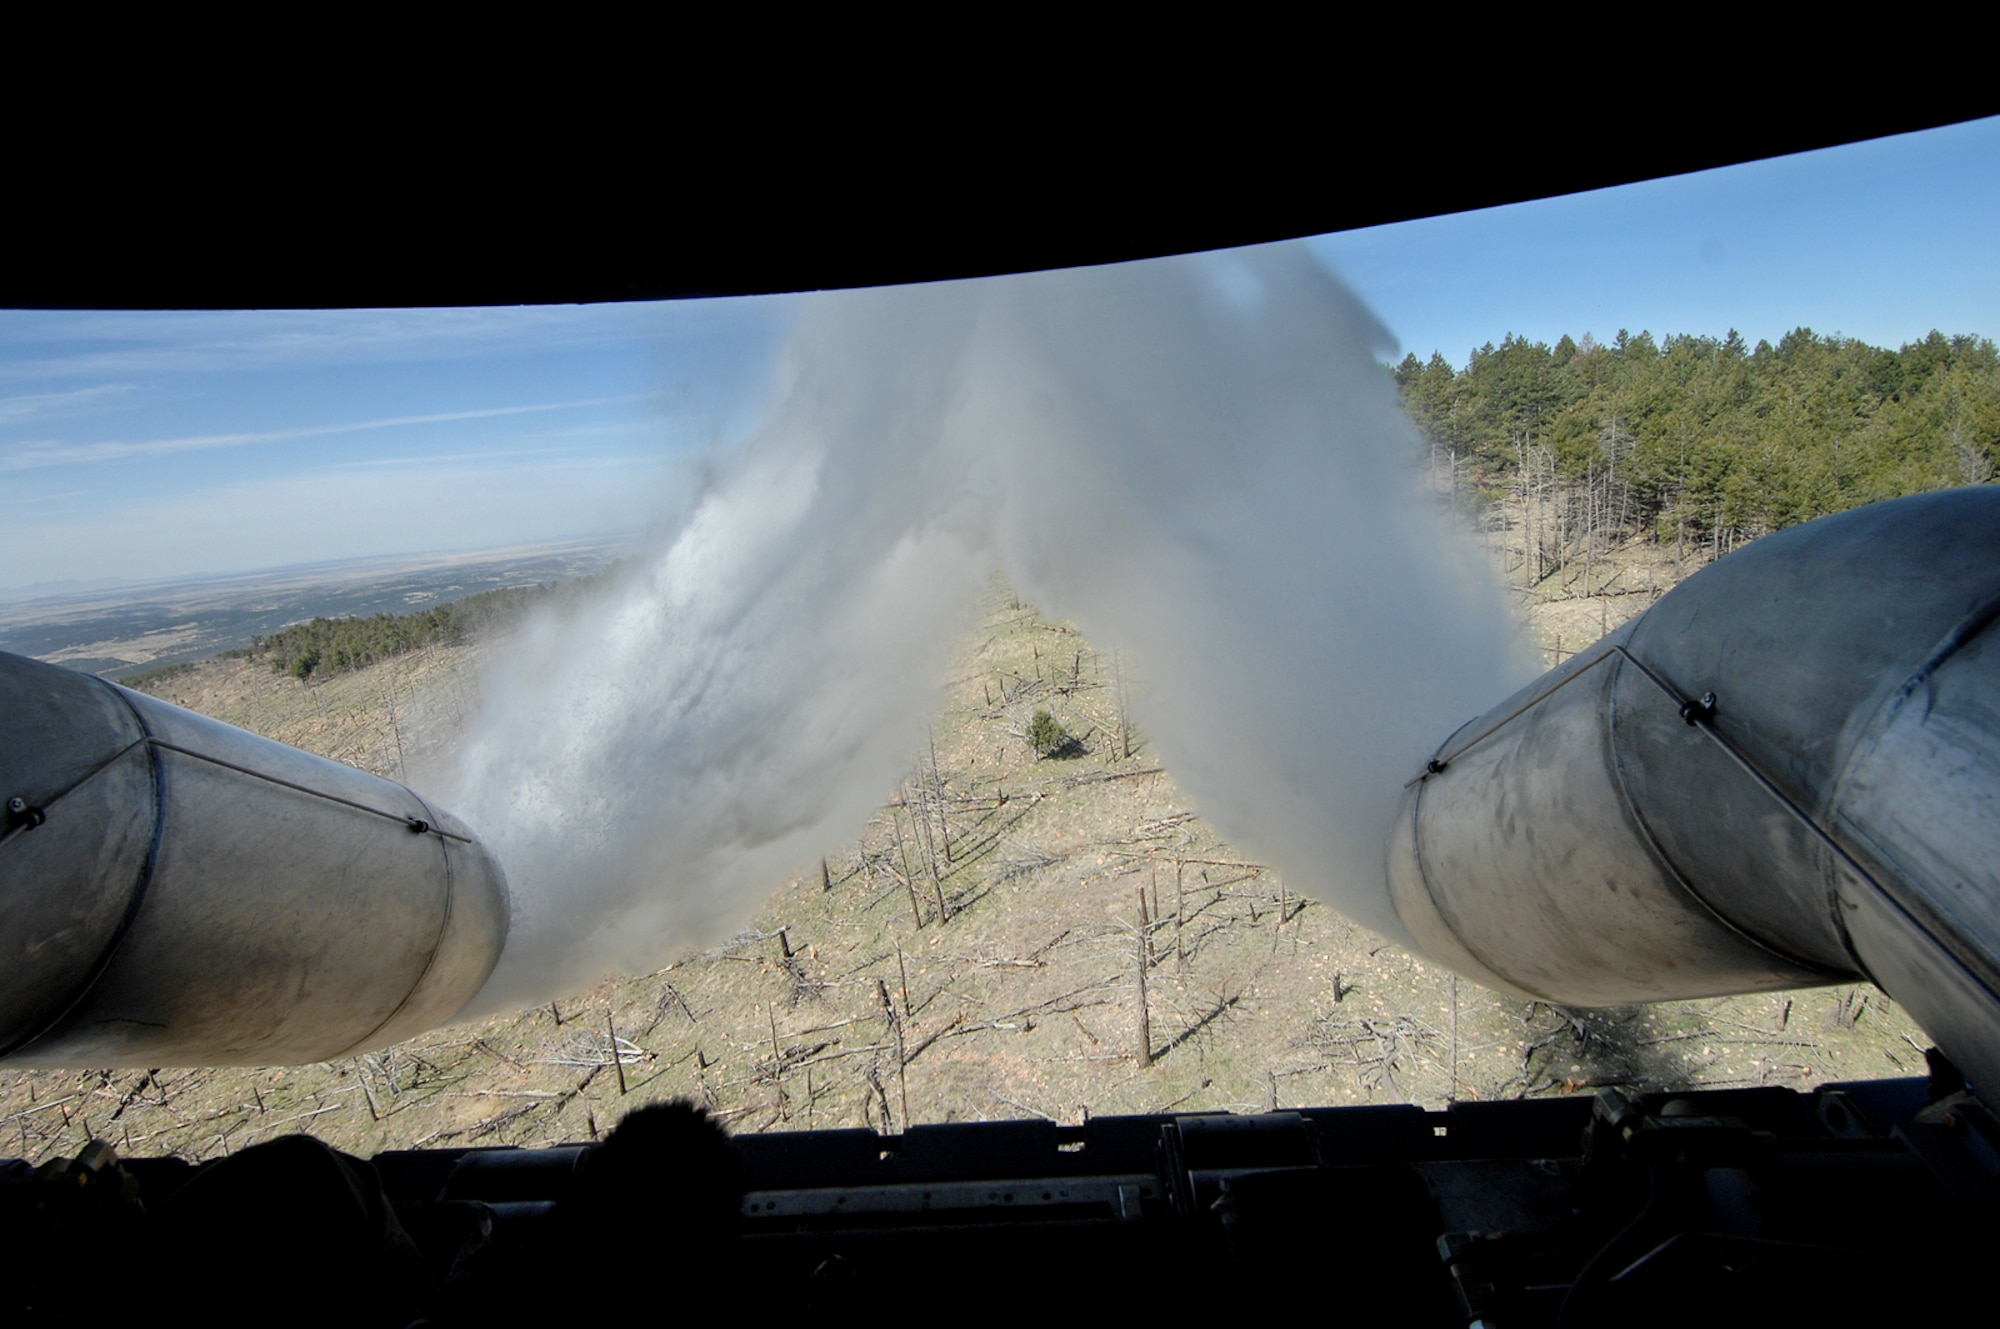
(1785, 772)
(176, 891)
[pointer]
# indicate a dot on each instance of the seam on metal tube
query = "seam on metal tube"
(1892, 898)
(1961, 635)
(75, 785)
(400, 818)
(1638, 822)
(1437, 906)
(1440, 763)
(437, 942)
(139, 887)
(1441, 759)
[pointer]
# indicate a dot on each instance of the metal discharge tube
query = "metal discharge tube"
(1785, 772)
(176, 891)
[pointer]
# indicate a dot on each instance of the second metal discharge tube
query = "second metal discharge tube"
(1786, 772)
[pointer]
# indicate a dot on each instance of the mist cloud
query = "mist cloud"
(1200, 460)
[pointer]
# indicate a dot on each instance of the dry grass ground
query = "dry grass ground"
(976, 952)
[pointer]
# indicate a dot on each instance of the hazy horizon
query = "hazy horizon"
(396, 557)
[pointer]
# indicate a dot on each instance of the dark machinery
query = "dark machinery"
(1847, 1203)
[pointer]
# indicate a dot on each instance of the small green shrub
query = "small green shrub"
(1046, 733)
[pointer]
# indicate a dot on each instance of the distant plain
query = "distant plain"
(119, 629)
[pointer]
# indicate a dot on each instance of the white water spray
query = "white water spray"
(1200, 460)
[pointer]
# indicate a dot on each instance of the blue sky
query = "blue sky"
(153, 445)
(1882, 241)
(146, 445)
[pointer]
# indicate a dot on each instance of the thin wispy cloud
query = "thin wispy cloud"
(45, 346)
(448, 458)
(29, 405)
(42, 454)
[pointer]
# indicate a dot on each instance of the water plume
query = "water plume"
(1200, 460)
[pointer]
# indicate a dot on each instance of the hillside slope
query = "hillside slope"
(977, 952)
